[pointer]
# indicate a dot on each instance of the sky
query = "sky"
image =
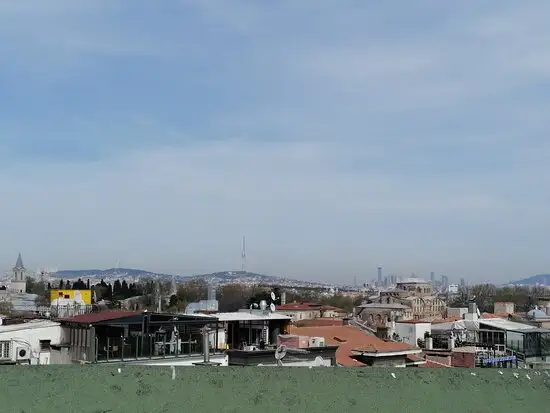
(336, 136)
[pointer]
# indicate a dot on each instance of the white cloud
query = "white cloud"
(334, 141)
(189, 206)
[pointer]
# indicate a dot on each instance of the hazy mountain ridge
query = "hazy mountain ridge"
(222, 277)
(539, 279)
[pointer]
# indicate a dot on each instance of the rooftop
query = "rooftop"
(350, 338)
(250, 316)
(91, 318)
(299, 307)
(136, 389)
(505, 324)
(383, 305)
(135, 317)
(412, 322)
(321, 322)
(28, 325)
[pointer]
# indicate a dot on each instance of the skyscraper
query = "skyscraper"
(379, 275)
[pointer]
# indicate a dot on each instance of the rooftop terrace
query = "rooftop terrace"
(98, 389)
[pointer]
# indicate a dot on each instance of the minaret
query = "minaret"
(19, 281)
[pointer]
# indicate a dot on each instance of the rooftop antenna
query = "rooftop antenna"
(243, 255)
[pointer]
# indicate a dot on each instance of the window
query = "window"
(5, 347)
(45, 345)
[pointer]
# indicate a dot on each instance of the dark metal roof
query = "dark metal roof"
(92, 318)
(134, 317)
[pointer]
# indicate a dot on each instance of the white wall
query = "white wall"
(28, 336)
(411, 332)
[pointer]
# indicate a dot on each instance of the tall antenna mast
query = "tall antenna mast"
(243, 255)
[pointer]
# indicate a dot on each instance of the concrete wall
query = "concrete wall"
(28, 336)
(411, 332)
(501, 307)
(463, 359)
(95, 389)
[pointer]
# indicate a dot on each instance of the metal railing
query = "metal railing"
(145, 346)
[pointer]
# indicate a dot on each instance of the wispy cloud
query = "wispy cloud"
(336, 136)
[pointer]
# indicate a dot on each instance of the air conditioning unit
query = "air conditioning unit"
(317, 342)
(22, 354)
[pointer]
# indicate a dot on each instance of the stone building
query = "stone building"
(416, 294)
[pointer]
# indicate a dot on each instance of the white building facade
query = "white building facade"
(29, 343)
(411, 331)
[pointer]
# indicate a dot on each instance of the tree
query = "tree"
(173, 303)
(5, 307)
(233, 297)
(124, 290)
(264, 293)
(117, 288)
(192, 291)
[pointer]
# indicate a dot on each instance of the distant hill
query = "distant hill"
(540, 279)
(223, 277)
(108, 273)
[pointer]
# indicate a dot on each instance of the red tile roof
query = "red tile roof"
(413, 321)
(415, 358)
(432, 364)
(495, 315)
(100, 316)
(299, 307)
(349, 338)
(320, 322)
(306, 306)
(446, 320)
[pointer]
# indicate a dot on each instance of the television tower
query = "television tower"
(243, 255)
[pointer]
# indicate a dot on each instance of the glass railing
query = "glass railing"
(147, 346)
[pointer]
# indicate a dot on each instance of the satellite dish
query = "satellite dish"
(318, 362)
(280, 353)
(272, 307)
(273, 298)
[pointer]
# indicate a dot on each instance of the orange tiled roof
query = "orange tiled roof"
(415, 358)
(350, 338)
(305, 306)
(446, 320)
(320, 322)
(495, 315)
(432, 364)
(299, 307)
(413, 321)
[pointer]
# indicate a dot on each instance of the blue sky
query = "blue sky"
(336, 135)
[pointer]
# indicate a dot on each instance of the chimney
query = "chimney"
(283, 298)
(429, 343)
(472, 313)
(451, 342)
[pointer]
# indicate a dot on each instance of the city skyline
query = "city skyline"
(411, 137)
